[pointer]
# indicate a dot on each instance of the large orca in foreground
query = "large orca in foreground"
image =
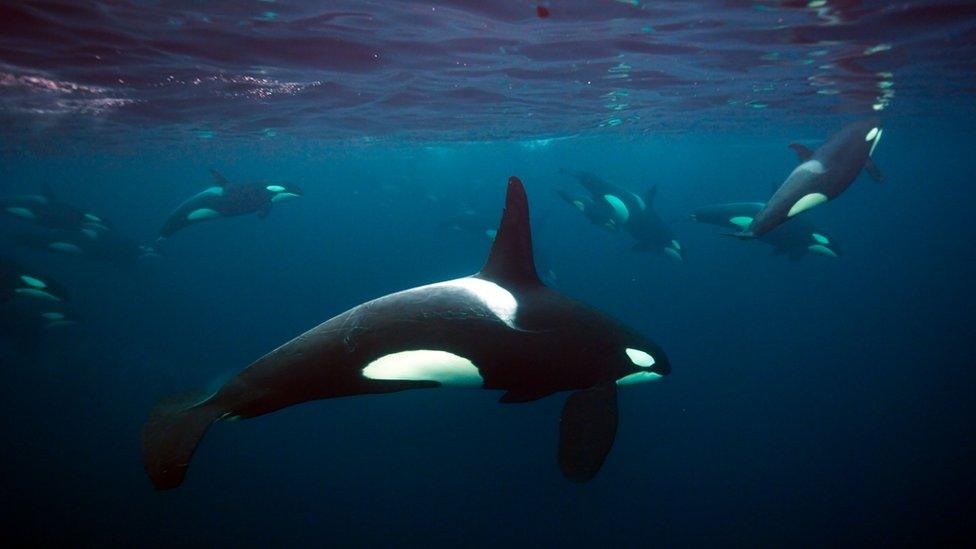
(498, 329)
(823, 175)
(794, 239)
(226, 199)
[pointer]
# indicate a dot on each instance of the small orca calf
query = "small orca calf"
(108, 245)
(499, 329)
(822, 175)
(226, 199)
(17, 281)
(794, 239)
(632, 212)
(47, 211)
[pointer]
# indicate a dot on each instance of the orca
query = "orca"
(17, 281)
(822, 175)
(600, 213)
(499, 329)
(634, 213)
(794, 240)
(25, 321)
(46, 210)
(468, 220)
(108, 246)
(226, 199)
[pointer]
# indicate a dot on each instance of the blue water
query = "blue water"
(823, 401)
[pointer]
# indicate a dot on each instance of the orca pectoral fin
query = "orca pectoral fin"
(264, 211)
(802, 151)
(873, 171)
(742, 235)
(587, 429)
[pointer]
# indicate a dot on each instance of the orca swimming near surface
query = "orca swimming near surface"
(822, 175)
(46, 210)
(226, 199)
(794, 239)
(632, 212)
(499, 329)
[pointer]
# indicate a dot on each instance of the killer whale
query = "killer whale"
(227, 199)
(794, 240)
(499, 329)
(17, 281)
(106, 246)
(599, 213)
(470, 221)
(46, 210)
(632, 212)
(822, 175)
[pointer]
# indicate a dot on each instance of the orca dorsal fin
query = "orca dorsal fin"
(510, 259)
(802, 151)
(218, 178)
(650, 195)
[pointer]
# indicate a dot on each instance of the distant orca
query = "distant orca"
(600, 213)
(17, 281)
(26, 320)
(634, 213)
(794, 239)
(108, 246)
(823, 175)
(226, 199)
(47, 211)
(498, 329)
(469, 220)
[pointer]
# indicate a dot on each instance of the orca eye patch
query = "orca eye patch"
(640, 358)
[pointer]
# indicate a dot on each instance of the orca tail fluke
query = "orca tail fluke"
(741, 235)
(171, 435)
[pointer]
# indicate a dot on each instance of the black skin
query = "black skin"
(23, 321)
(228, 200)
(102, 246)
(472, 222)
(48, 211)
(599, 213)
(792, 239)
(556, 344)
(839, 160)
(650, 231)
(13, 286)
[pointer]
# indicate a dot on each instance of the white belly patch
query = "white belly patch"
(202, 213)
(806, 202)
(446, 368)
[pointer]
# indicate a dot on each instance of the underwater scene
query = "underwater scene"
(458, 273)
